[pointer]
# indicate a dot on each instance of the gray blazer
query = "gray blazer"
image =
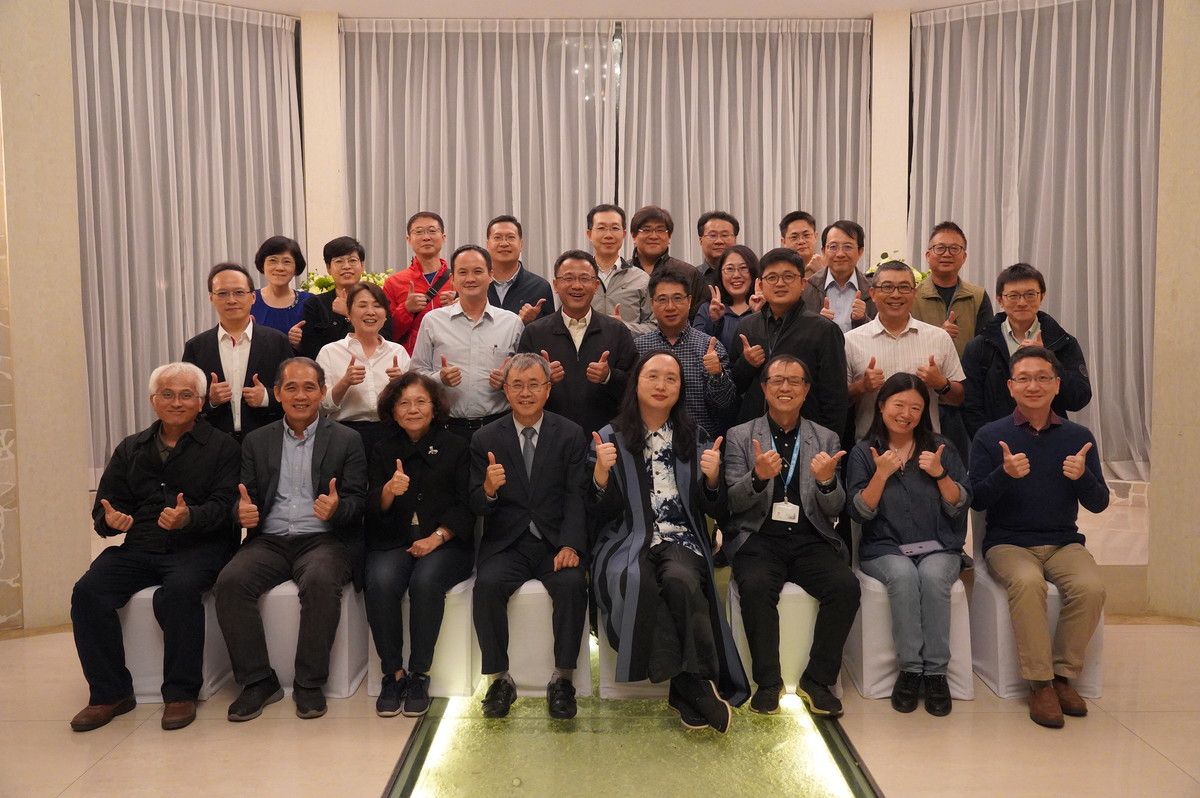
(748, 509)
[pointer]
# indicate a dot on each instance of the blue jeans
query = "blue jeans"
(919, 595)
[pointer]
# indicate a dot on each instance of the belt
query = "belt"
(474, 423)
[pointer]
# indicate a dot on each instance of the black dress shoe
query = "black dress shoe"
(766, 700)
(819, 699)
(937, 695)
(249, 705)
(689, 716)
(560, 697)
(499, 699)
(310, 701)
(904, 692)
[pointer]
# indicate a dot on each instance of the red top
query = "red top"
(397, 287)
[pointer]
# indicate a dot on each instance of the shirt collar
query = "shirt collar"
(875, 326)
(584, 322)
(660, 435)
(488, 311)
(1009, 335)
(1019, 420)
(512, 279)
(829, 280)
(309, 431)
(536, 427)
(247, 334)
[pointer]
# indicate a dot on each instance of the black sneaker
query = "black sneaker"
(688, 715)
(560, 696)
(904, 691)
(249, 705)
(416, 700)
(499, 699)
(818, 698)
(708, 702)
(310, 701)
(391, 695)
(937, 695)
(766, 700)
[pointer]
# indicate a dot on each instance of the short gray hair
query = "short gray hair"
(525, 360)
(179, 369)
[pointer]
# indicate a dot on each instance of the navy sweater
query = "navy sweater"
(1041, 508)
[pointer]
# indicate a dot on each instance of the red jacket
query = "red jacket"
(397, 287)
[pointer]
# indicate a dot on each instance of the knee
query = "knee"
(1026, 585)
(320, 583)
(1087, 590)
(844, 588)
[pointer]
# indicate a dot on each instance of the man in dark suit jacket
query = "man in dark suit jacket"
(590, 354)
(528, 533)
(304, 484)
(239, 357)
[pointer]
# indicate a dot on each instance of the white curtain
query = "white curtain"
(188, 154)
(756, 117)
(1035, 126)
(472, 119)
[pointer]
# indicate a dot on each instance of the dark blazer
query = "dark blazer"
(588, 404)
(527, 288)
(439, 467)
(268, 348)
(323, 326)
(553, 498)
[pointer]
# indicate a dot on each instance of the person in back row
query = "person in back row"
(425, 284)
(622, 292)
(326, 315)
(514, 287)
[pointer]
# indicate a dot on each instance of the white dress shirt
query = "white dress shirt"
(476, 347)
(235, 357)
(359, 403)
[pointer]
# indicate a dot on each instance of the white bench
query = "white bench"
(280, 609)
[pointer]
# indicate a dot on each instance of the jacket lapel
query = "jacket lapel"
(319, 448)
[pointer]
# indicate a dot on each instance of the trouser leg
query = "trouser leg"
(259, 565)
(432, 577)
(939, 572)
(179, 608)
(496, 579)
(1077, 576)
(760, 574)
(388, 574)
(817, 567)
(1019, 570)
(321, 568)
(899, 575)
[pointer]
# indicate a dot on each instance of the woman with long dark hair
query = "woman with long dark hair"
(908, 488)
(654, 477)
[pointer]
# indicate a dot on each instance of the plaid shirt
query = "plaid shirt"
(707, 394)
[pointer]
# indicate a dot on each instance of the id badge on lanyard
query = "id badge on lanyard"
(784, 511)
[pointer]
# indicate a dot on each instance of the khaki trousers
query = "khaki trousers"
(1023, 572)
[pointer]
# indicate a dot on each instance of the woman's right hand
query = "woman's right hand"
(716, 308)
(398, 484)
(887, 463)
(606, 458)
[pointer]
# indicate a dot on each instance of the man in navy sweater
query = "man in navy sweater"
(1031, 471)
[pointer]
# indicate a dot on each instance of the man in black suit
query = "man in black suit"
(237, 355)
(304, 485)
(590, 354)
(528, 533)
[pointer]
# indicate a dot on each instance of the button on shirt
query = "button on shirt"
(235, 356)
(476, 347)
(785, 442)
(905, 352)
(841, 300)
(359, 402)
(292, 508)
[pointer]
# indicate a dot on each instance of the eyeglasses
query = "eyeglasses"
(414, 404)
(719, 237)
(735, 270)
(571, 279)
(787, 278)
(1040, 379)
(1028, 296)
(238, 294)
(608, 228)
(652, 231)
(505, 239)
(778, 382)
(895, 288)
(522, 387)
(348, 260)
(942, 249)
(808, 235)
(183, 396)
(847, 248)
(425, 231)
(673, 299)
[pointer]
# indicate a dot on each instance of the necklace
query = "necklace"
(903, 452)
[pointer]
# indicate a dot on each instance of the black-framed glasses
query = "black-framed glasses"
(1028, 296)
(895, 288)
(942, 249)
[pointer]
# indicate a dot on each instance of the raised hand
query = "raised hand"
(339, 303)
(768, 464)
(496, 376)
(447, 297)
(398, 484)
(872, 378)
(415, 302)
(394, 370)
(757, 299)
(599, 370)
(327, 503)
(716, 308)
(219, 392)
(557, 372)
(176, 517)
(355, 373)
(450, 375)
(295, 334)
(710, 462)
(258, 396)
(529, 313)
(493, 477)
(931, 375)
(1075, 464)
(931, 462)
(949, 324)
(1015, 465)
(606, 458)
(887, 463)
(115, 519)
(858, 309)
(755, 355)
(616, 314)
(1034, 341)
(711, 360)
(824, 465)
(826, 310)
(246, 509)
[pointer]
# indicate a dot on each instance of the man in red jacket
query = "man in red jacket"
(425, 284)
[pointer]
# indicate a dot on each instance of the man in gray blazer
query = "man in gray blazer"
(304, 485)
(783, 491)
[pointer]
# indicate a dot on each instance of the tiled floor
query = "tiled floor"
(1141, 739)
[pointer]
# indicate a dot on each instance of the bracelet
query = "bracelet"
(440, 534)
(940, 476)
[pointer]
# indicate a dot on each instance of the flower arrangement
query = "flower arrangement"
(895, 255)
(321, 283)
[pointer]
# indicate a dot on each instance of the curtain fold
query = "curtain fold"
(472, 119)
(188, 130)
(1035, 126)
(756, 117)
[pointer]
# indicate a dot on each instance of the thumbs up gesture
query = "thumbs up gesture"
(949, 325)
(872, 378)
(557, 372)
(394, 370)
(1075, 464)
(716, 308)
(598, 371)
(176, 517)
(496, 376)
(296, 334)
(327, 503)
(931, 462)
(754, 355)
(529, 313)
(1017, 465)
(247, 510)
(415, 302)
(219, 392)
(710, 462)
(616, 314)
(768, 464)
(1034, 341)
(858, 308)
(931, 375)
(257, 396)
(114, 519)
(355, 373)
(493, 477)
(826, 310)
(450, 375)
(887, 463)
(606, 458)
(398, 484)
(711, 360)
(824, 465)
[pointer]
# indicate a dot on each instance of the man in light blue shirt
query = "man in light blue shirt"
(841, 292)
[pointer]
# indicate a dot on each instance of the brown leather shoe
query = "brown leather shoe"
(177, 714)
(93, 716)
(1070, 701)
(1044, 709)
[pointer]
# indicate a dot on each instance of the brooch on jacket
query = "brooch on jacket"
(432, 450)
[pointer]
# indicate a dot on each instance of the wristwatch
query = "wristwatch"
(945, 389)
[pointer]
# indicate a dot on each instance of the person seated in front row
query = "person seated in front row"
(783, 491)
(654, 477)
(1031, 472)
(527, 482)
(908, 490)
(168, 489)
(304, 481)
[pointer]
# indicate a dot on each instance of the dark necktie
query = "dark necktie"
(527, 453)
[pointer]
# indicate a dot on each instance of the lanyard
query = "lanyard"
(795, 457)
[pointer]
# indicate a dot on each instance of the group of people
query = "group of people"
(621, 431)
